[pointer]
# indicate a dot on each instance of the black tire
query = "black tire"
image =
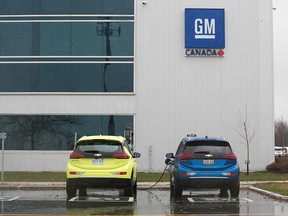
(135, 188)
(71, 189)
(82, 191)
(128, 190)
(178, 190)
(223, 192)
(235, 189)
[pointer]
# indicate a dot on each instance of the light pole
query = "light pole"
(2, 137)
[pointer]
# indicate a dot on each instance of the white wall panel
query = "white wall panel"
(38, 161)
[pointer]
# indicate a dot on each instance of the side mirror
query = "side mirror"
(136, 155)
(169, 155)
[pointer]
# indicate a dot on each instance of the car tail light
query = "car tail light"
(229, 173)
(121, 155)
(185, 156)
(230, 156)
(119, 173)
(187, 173)
(76, 155)
(76, 173)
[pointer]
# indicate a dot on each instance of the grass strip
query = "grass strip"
(142, 176)
(61, 177)
(278, 188)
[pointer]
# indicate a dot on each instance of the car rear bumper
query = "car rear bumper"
(209, 183)
(99, 182)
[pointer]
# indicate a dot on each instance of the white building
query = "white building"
(173, 93)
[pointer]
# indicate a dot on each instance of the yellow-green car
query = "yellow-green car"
(101, 162)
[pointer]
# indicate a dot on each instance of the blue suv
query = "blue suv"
(203, 163)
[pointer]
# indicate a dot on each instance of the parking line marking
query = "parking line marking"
(248, 200)
(73, 199)
(14, 198)
(131, 199)
(191, 199)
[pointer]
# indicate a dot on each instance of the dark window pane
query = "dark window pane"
(16, 39)
(48, 132)
(17, 7)
(66, 7)
(124, 80)
(56, 39)
(103, 7)
(54, 78)
(66, 77)
(15, 78)
(56, 6)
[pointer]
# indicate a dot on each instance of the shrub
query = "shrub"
(280, 165)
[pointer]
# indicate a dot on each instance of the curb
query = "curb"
(269, 194)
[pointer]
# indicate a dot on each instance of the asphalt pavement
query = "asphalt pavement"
(141, 185)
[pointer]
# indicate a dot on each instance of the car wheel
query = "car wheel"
(71, 189)
(178, 190)
(128, 191)
(135, 188)
(223, 192)
(235, 189)
(175, 189)
(82, 191)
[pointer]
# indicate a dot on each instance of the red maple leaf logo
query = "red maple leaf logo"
(220, 52)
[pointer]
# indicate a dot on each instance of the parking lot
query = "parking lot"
(148, 202)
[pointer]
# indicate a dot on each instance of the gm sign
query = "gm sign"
(204, 28)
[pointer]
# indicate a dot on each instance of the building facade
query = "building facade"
(165, 68)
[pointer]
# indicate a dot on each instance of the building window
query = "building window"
(80, 46)
(43, 7)
(57, 132)
(88, 77)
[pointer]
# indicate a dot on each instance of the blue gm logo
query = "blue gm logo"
(204, 28)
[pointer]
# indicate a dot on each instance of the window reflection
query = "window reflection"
(50, 132)
(67, 7)
(66, 77)
(79, 46)
(66, 39)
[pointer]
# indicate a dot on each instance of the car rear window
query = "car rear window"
(102, 148)
(201, 148)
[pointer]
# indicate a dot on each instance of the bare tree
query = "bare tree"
(246, 133)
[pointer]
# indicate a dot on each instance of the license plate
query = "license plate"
(97, 162)
(208, 162)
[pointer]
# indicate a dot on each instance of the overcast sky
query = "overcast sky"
(280, 25)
